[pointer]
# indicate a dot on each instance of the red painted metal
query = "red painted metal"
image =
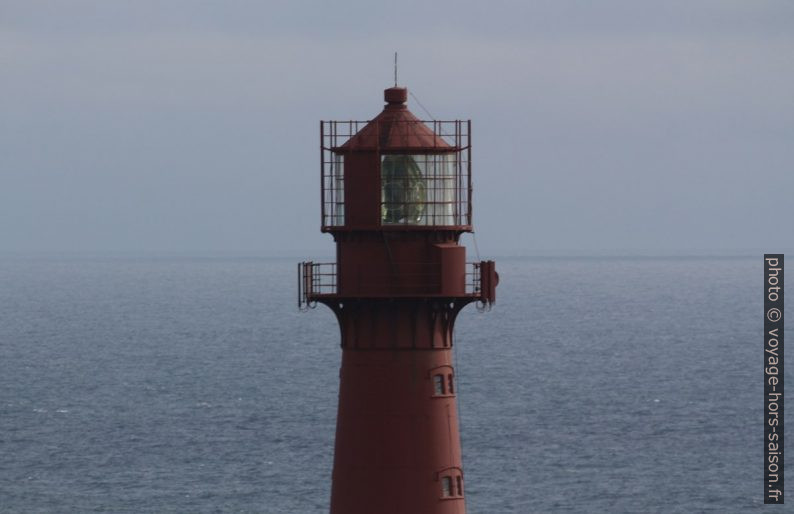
(396, 290)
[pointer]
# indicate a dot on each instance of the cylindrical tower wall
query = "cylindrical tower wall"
(397, 438)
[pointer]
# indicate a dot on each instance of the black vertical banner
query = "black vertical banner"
(773, 378)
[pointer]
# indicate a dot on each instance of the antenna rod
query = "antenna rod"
(395, 69)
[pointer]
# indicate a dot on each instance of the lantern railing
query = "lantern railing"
(318, 280)
(473, 278)
(315, 278)
(449, 134)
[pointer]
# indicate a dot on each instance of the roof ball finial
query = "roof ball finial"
(395, 95)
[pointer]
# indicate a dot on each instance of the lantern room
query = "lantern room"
(396, 172)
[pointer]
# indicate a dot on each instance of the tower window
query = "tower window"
(446, 487)
(442, 379)
(438, 385)
(452, 484)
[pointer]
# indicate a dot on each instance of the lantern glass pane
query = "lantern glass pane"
(420, 189)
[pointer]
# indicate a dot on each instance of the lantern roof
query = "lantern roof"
(396, 130)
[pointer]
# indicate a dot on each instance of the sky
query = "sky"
(608, 128)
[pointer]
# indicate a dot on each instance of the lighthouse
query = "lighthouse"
(396, 196)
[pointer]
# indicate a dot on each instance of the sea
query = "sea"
(194, 384)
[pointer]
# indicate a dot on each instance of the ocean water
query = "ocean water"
(194, 385)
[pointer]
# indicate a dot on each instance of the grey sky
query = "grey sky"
(599, 127)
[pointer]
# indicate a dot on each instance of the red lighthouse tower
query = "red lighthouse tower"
(396, 196)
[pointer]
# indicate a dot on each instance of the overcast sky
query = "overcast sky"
(189, 126)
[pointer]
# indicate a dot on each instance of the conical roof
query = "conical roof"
(396, 129)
